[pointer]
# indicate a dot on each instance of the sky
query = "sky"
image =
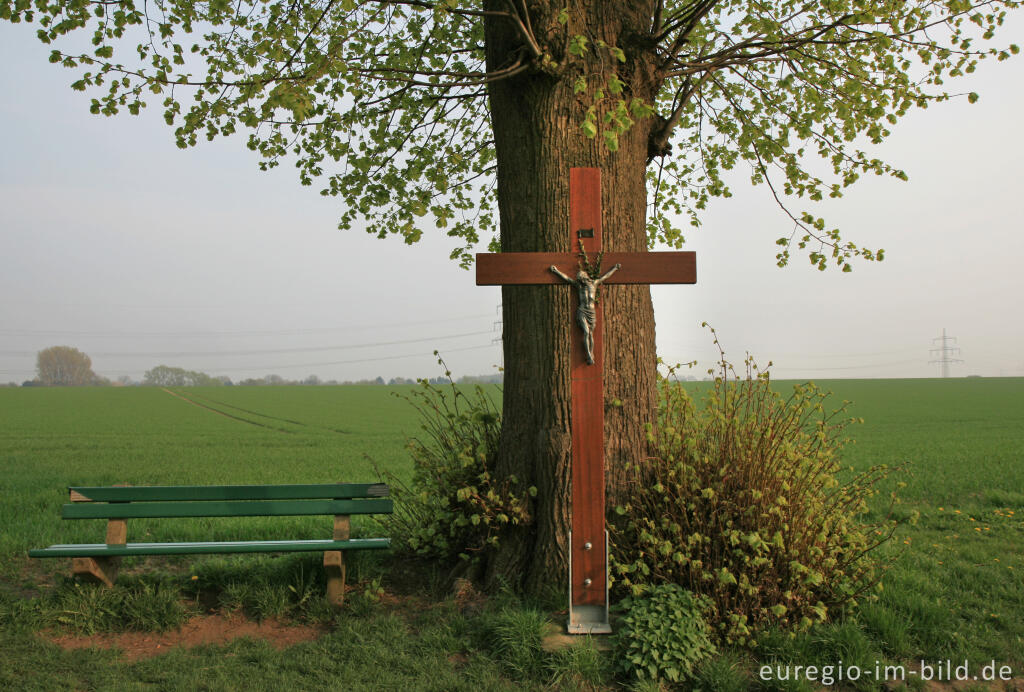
(115, 242)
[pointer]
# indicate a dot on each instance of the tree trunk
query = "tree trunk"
(536, 119)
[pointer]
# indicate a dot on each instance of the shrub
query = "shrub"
(454, 508)
(663, 634)
(741, 502)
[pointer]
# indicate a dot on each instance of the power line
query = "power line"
(348, 362)
(241, 333)
(258, 352)
(282, 366)
(849, 367)
(945, 352)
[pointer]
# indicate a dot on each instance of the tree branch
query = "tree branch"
(685, 21)
(658, 144)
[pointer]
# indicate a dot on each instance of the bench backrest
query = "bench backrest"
(136, 502)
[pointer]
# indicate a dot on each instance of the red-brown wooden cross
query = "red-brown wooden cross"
(588, 563)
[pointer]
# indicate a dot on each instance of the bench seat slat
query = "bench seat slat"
(213, 508)
(210, 547)
(203, 493)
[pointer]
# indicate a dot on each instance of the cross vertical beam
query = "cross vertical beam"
(588, 588)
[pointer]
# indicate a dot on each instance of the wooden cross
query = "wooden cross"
(588, 559)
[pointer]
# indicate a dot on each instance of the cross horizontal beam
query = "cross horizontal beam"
(533, 268)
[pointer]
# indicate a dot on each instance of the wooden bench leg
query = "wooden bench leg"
(103, 569)
(334, 563)
(96, 569)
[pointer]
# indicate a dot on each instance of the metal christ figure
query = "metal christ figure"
(586, 314)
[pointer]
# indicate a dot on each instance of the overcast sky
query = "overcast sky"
(115, 242)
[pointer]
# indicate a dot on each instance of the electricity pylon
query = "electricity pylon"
(945, 352)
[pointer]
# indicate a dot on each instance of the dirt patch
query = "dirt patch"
(202, 629)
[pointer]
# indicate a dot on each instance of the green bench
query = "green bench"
(117, 504)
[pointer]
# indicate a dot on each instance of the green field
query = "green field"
(53, 438)
(956, 590)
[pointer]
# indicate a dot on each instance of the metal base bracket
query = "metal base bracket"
(589, 619)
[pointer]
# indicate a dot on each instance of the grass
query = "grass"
(956, 590)
(53, 438)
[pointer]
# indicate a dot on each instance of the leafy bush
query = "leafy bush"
(742, 502)
(454, 508)
(663, 634)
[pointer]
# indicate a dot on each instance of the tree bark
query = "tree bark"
(536, 119)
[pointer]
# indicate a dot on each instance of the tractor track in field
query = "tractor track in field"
(252, 413)
(273, 418)
(226, 414)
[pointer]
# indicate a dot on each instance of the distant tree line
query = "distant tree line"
(64, 366)
(167, 376)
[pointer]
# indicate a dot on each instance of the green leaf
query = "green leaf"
(578, 45)
(284, 74)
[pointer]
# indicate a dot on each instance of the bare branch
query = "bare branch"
(685, 22)
(522, 23)
(659, 140)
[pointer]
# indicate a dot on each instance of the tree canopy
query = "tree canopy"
(64, 366)
(384, 103)
(168, 376)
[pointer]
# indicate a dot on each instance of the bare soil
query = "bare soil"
(202, 629)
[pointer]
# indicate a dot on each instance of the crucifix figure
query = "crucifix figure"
(588, 539)
(586, 312)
